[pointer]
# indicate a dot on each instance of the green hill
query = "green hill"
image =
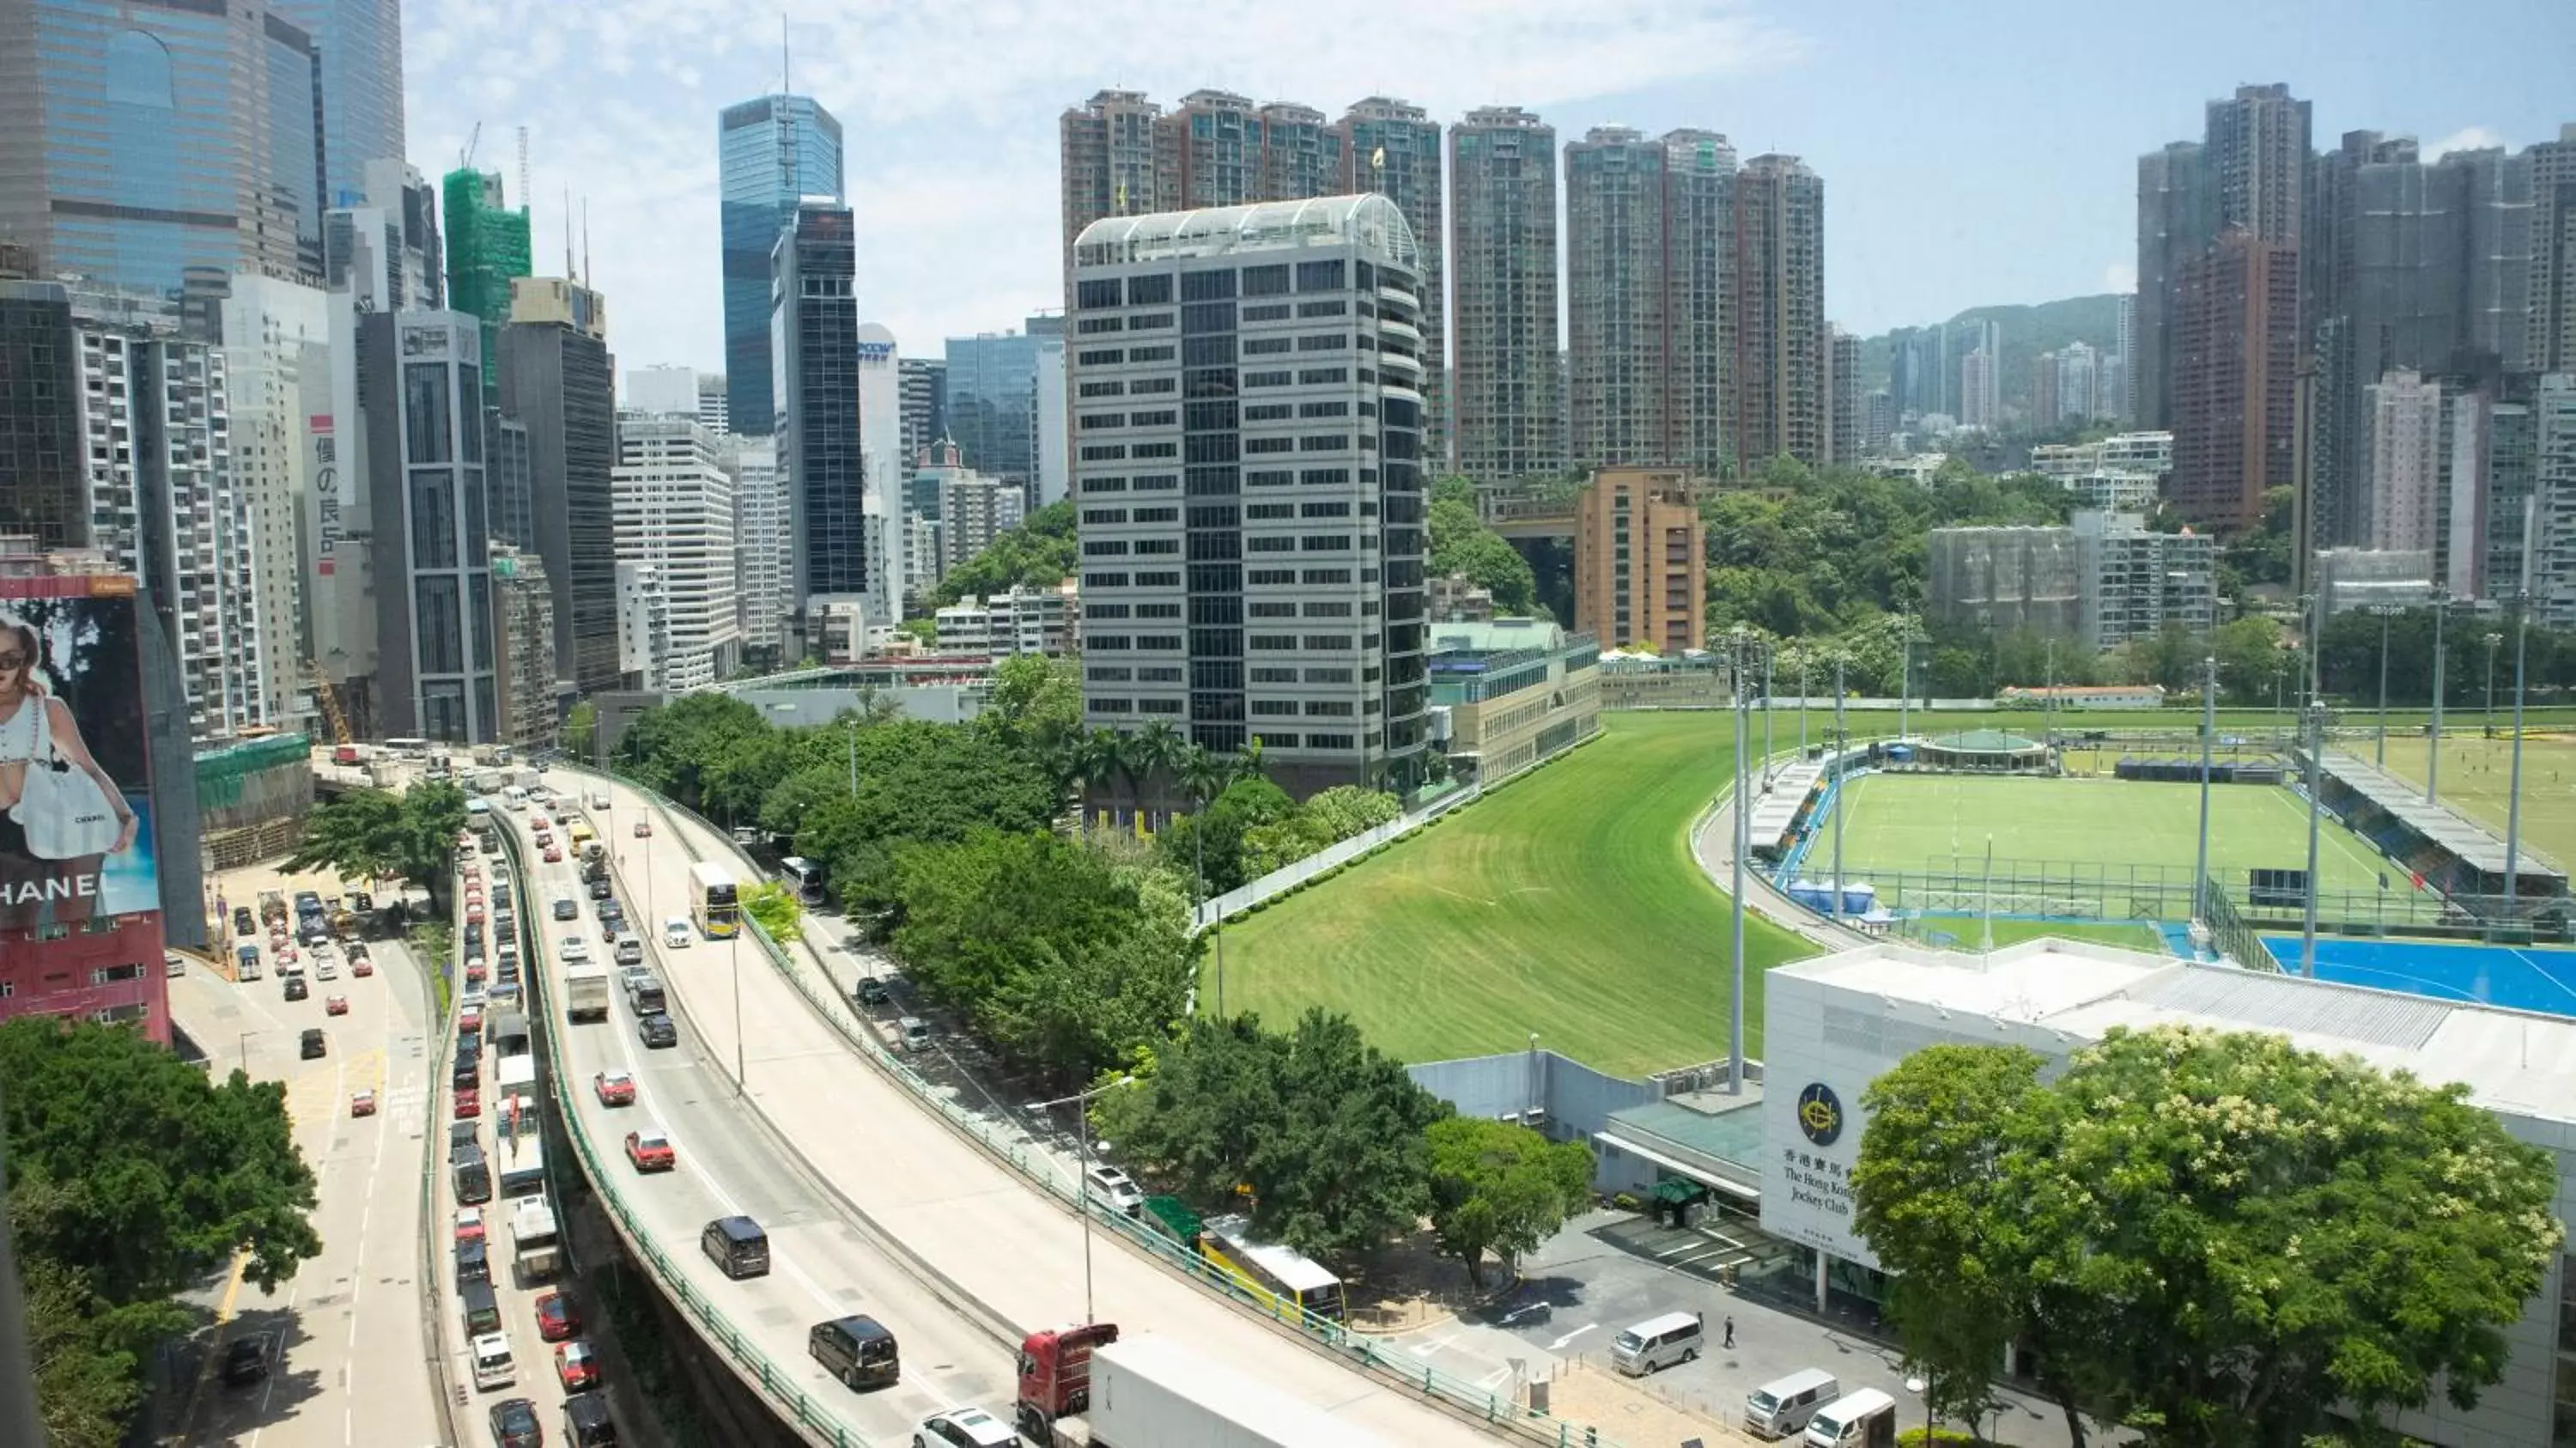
(2027, 332)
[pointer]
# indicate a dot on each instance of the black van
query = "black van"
(473, 1176)
(736, 1245)
(587, 1423)
(857, 1350)
(482, 1309)
(473, 1264)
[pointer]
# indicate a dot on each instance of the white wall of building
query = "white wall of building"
(661, 388)
(760, 541)
(273, 331)
(1054, 453)
(675, 513)
(881, 442)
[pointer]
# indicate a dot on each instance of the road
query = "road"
(353, 1367)
(824, 1264)
(1011, 1247)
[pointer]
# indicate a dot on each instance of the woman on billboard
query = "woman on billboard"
(61, 814)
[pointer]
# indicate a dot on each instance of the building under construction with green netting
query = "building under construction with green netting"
(487, 246)
(252, 798)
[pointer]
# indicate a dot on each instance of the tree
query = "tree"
(2215, 1238)
(1048, 949)
(1503, 1188)
(1461, 544)
(1039, 552)
(86, 1385)
(775, 908)
(580, 733)
(368, 834)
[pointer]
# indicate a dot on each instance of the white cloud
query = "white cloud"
(2467, 138)
(950, 115)
(2120, 276)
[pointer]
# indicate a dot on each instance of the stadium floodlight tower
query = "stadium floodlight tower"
(1745, 645)
(2208, 736)
(2385, 611)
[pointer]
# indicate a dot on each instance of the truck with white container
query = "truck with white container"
(1084, 1386)
(585, 992)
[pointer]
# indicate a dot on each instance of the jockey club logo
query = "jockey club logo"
(1820, 1114)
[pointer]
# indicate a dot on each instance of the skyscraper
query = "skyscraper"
(1510, 418)
(358, 50)
(814, 327)
(1649, 312)
(143, 141)
(1779, 311)
(771, 154)
(1252, 524)
(675, 513)
(1392, 147)
(881, 441)
(661, 389)
(991, 403)
(2552, 345)
(1843, 394)
(2235, 363)
(924, 384)
(435, 653)
(557, 381)
(487, 250)
(2175, 221)
(1981, 390)
(2401, 461)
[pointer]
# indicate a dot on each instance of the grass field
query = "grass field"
(2477, 775)
(1907, 821)
(1566, 904)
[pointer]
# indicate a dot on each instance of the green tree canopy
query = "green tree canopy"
(1046, 947)
(369, 833)
(1501, 1188)
(2213, 1238)
(1462, 544)
(775, 907)
(1039, 552)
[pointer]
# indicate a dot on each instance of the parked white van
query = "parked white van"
(1658, 1343)
(492, 1365)
(1782, 1408)
(1864, 1418)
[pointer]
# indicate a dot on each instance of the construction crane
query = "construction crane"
(465, 158)
(330, 698)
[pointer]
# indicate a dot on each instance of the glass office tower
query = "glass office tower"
(771, 153)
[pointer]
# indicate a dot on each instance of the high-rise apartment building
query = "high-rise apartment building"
(881, 441)
(1301, 152)
(2176, 221)
(973, 511)
(2400, 460)
(772, 154)
(675, 512)
(435, 652)
(557, 380)
(1248, 475)
(1392, 147)
(2120, 396)
(142, 142)
(1779, 311)
(1649, 228)
(2552, 164)
(1641, 561)
(2553, 553)
(487, 251)
(1981, 390)
(761, 547)
(924, 394)
(1509, 412)
(715, 405)
(821, 454)
(523, 625)
(1843, 396)
(277, 342)
(2234, 378)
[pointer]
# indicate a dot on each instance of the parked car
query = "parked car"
(469, 1101)
(246, 1359)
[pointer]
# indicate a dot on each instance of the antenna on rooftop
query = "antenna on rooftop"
(585, 241)
(527, 192)
(785, 59)
(569, 274)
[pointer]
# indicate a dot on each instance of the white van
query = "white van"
(514, 798)
(1779, 1409)
(1866, 1418)
(492, 1365)
(1658, 1342)
(599, 799)
(630, 951)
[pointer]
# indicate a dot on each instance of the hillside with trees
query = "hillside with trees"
(1039, 553)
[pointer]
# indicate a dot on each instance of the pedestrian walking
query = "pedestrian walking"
(1730, 1333)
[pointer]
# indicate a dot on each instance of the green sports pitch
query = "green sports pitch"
(1911, 822)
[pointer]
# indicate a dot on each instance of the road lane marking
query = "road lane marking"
(1559, 1344)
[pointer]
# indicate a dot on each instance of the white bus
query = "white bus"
(803, 876)
(407, 748)
(713, 902)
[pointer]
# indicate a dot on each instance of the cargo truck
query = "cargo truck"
(523, 1169)
(585, 993)
(272, 906)
(1082, 1385)
(534, 1238)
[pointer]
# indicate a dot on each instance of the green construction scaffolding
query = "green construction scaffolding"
(487, 247)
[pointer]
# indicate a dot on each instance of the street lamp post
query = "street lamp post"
(2433, 758)
(1082, 1184)
(2492, 639)
(2208, 733)
(2513, 799)
(2316, 739)
(1842, 765)
(733, 954)
(1743, 842)
(2385, 612)
(1766, 721)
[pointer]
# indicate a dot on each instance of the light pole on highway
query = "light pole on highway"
(1082, 1183)
(733, 953)
(2433, 756)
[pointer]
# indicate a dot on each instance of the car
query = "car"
(656, 1032)
(461, 1137)
(1115, 1187)
(676, 932)
(173, 963)
(963, 1428)
(244, 923)
(337, 1005)
(556, 1317)
(650, 1150)
(600, 889)
(577, 1365)
(313, 1046)
(469, 1102)
(469, 1021)
(287, 955)
(643, 829)
(475, 974)
(469, 1224)
(554, 854)
(573, 950)
(873, 992)
(474, 913)
(615, 1088)
(246, 1359)
(294, 987)
(361, 966)
(514, 1424)
(913, 1032)
(325, 968)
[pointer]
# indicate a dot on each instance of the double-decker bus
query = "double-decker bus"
(713, 902)
(803, 876)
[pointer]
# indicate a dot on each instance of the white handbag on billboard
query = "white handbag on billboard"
(61, 809)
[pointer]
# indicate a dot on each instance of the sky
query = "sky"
(1974, 152)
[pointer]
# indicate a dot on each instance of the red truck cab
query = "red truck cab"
(345, 754)
(1055, 1376)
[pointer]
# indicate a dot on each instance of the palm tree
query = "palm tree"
(1247, 760)
(1107, 756)
(1155, 749)
(1204, 776)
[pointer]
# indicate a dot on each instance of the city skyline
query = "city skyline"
(967, 160)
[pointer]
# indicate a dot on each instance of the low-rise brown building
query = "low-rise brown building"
(1641, 560)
